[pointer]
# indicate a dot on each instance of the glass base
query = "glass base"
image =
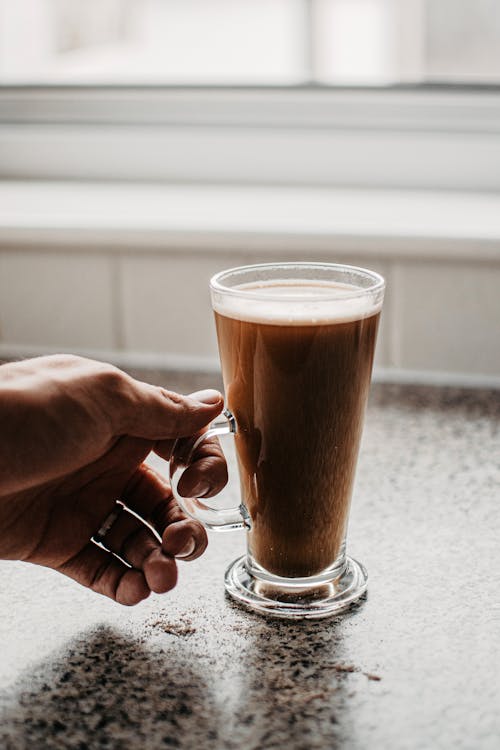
(282, 597)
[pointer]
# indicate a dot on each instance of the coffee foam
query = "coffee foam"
(297, 302)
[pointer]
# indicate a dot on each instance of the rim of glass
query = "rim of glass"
(216, 284)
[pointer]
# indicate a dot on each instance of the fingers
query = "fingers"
(150, 496)
(207, 474)
(134, 542)
(185, 541)
(130, 542)
(134, 563)
(105, 574)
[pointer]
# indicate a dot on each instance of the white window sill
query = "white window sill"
(154, 217)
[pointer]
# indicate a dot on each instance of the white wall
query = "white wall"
(438, 316)
(136, 289)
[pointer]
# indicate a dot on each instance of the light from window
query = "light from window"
(249, 42)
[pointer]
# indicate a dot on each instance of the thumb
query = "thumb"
(158, 414)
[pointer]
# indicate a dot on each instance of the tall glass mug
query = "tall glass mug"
(296, 343)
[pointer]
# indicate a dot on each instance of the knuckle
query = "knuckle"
(163, 513)
(138, 545)
(113, 385)
(176, 399)
(111, 377)
(210, 448)
(111, 395)
(212, 465)
(64, 360)
(179, 410)
(173, 514)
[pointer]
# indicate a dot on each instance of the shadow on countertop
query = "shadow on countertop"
(300, 684)
(110, 692)
(288, 690)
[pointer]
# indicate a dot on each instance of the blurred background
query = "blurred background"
(147, 144)
(259, 42)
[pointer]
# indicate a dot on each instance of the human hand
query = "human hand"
(74, 437)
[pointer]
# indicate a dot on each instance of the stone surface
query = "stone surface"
(415, 666)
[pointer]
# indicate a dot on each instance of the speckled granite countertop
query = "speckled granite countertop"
(416, 665)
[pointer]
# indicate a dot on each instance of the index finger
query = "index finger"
(207, 473)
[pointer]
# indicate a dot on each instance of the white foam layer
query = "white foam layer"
(297, 302)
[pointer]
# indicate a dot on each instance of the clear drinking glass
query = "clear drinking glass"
(296, 343)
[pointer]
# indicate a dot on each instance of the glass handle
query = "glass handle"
(218, 519)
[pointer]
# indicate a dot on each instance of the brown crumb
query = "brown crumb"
(313, 696)
(345, 668)
(349, 668)
(174, 628)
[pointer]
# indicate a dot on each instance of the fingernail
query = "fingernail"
(188, 548)
(208, 396)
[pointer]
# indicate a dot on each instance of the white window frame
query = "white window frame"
(423, 137)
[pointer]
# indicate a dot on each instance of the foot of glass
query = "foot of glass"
(284, 598)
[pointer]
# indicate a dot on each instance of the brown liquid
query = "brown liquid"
(298, 393)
